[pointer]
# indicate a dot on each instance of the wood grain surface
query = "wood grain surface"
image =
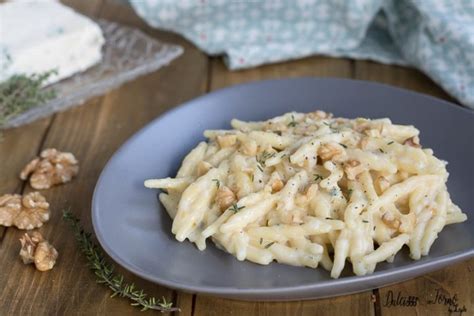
(96, 129)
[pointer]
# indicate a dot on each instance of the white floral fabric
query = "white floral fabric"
(435, 36)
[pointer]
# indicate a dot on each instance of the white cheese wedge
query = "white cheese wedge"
(39, 36)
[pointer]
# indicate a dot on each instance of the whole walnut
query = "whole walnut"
(51, 168)
(35, 249)
(27, 212)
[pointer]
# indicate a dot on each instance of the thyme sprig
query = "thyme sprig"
(22, 92)
(292, 123)
(317, 177)
(218, 183)
(105, 271)
(236, 208)
(263, 158)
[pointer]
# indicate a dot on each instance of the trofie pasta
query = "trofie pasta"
(310, 189)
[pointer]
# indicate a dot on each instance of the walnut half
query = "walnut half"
(225, 197)
(413, 142)
(51, 168)
(331, 151)
(35, 249)
(27, 212)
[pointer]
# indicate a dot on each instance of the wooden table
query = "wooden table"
(96, 129)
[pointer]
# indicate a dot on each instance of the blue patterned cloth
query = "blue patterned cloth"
(435, 36)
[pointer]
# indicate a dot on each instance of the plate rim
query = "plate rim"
(414, 269)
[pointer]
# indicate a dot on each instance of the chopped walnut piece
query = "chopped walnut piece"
(372, 132)
(28, 246)
(34, 248)
(390, 220)
(400, 222)
(249, 147)
(353, 168)
(226, 140)
(203, 167)
(364, 143)
(52, 168)
(225, 197)
(277, 185)
(45, 256)
(311, 191)
(330, 151)
(319, 115)
(27, 212)
(413, 142)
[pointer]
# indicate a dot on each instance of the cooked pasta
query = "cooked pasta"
(304, 189)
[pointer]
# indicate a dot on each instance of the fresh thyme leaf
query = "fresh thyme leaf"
(22, 92)
(269, 245)
(343, 145)
(263, 158)
(218, 183)
(235, 207)
(390, 143)
(292, 123)
(365, 221)
(334, 130)
(104, 271)
(261, 240)
(317, 177)
(330, 218)
(381, 150)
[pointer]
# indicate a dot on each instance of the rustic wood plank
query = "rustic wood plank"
(457, 279)
(357, 304)
(185, 301)
(444, 292)
(311, 66)
(93, 132)
(403, 77)
(90, 7)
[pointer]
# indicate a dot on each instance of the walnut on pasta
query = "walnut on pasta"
(310, 189)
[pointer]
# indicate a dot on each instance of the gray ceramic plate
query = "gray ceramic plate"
(134, 229)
